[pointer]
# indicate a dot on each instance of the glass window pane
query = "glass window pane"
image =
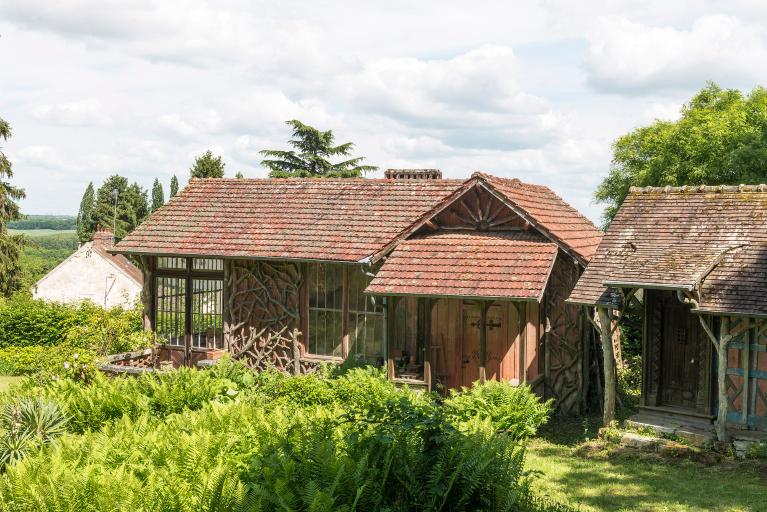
(207, 313)
(171, 263)
(208, 264)
(170, 310)
(325, 289)
(366, 319)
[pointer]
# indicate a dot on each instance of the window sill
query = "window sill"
(320, 358)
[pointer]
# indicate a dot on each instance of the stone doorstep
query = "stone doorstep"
(695, 432)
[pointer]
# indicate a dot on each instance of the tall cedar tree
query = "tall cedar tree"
(720, 139)
(173, 186)
(207, 166)
(158, 196)
(85, 214)
(132, 207)
(311, 154)
(10, 245)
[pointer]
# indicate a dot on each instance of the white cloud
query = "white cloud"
(629, 57)
(42, 156)
(88, 112)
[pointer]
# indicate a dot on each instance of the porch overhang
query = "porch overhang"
(500, 266)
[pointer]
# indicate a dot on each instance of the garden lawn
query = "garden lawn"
(599, 479)
(6, 381)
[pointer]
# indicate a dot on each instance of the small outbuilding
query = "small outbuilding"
(445, 282)
(92, 273)
(694, 260)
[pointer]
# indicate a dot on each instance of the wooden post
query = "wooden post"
(483, 306)
(296, 351)
(428, 304)
(721, 349)
(147, 292)
(391, 317)
(521, 308)
(344, 312)
(608, 361)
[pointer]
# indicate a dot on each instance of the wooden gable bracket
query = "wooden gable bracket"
(529, 220)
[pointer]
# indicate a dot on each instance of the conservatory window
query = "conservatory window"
(189, 295)
(366, 319)
(171, 310)
(325, 286)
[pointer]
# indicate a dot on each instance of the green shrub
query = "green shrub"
(242, 456)
(48, 362)
(515, 410)
(25, 322)
(28, 322)
(26, 425)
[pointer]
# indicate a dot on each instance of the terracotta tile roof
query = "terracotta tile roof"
(322, 219)
(468, 264)
(551, 213)
(710, 239)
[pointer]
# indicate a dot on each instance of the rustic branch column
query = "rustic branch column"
(608, 362)
(147, 295)
(483, 306)
(721, 350)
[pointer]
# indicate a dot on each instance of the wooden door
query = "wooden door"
(681, 357)
(498, 342)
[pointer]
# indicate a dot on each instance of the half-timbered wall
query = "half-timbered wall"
(747, 379)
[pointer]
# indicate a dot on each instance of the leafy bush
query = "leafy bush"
(25, 322)
(229, 439)
(55, 362)
(515, 410)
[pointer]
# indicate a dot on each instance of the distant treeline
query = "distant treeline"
(57, 222)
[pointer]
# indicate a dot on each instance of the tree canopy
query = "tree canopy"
(10, 245)
(310, 156)
(173, 186)
(720, 139)
(132, 208)
(85, 214)
(207, 166)
(158, 195)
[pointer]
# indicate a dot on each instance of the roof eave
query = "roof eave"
(648, 285)
(449, 296)
(363, 261)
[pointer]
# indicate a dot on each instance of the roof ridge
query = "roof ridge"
(668, 189)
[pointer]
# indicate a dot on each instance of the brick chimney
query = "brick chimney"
(103, 237)
(413, 174)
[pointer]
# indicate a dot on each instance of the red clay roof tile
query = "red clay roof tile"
(511, 265)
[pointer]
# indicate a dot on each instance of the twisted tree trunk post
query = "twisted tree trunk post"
(608, 361)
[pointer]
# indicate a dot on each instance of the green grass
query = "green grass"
(6, 381)
(599, 478)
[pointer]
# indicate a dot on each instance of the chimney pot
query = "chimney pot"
(413, 174)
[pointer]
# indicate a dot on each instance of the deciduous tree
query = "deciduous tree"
(311, 156)
(720, 139)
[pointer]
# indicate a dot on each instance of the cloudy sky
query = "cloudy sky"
(534, 90)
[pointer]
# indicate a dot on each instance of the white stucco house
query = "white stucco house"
(91, 273)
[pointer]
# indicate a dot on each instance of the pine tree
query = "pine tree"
(314, 149)
(85, 214)
(239, 175)
(207, 166)
(173, 186)
(158, 196)
(10, 245)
